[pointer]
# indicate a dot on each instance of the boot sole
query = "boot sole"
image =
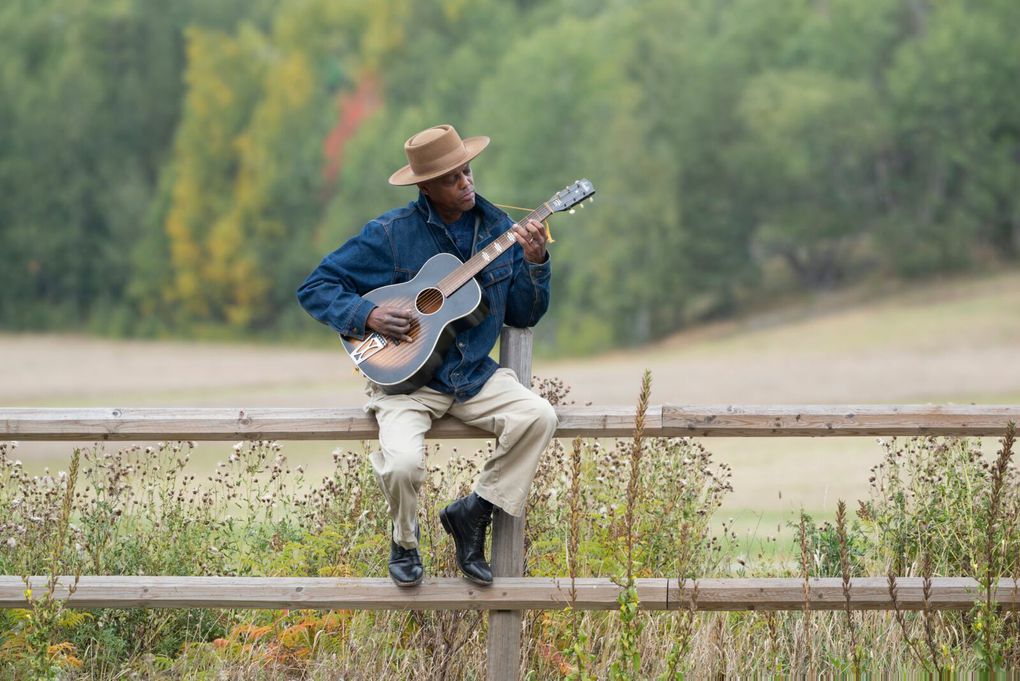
(449, 531)
(407, 584)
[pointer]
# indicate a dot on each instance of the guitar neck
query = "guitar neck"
(479, 260)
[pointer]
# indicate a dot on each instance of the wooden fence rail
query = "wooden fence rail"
(179, 423)
(507, 593)
(511, 593)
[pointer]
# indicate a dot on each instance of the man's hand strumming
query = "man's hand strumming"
(391, 321)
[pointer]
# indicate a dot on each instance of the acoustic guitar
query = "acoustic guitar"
(447, 299)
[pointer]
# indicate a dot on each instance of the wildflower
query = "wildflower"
(12, 542)
(301, 470)
(238, 446)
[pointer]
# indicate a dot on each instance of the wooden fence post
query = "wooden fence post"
(508, 534)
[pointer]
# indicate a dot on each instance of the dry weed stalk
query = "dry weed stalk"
(806, 575)
(992, 563)
(634, 481)
(929, 619)
(577, 651)
(628, 664)
(901, 618)
(574, 543)
(844, 565)
(46, 612)
(688, 615)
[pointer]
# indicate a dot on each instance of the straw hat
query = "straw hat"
(434, 152)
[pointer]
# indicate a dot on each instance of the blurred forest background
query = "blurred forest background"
(175, 169)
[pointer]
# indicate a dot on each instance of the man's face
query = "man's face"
(452, 193)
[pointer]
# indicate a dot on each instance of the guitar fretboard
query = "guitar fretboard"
(460, 276)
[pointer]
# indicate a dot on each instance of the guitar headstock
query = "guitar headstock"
(570, 196)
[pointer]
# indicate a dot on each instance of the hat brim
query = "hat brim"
(472, 147)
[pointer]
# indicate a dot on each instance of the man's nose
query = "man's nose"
(463, 181)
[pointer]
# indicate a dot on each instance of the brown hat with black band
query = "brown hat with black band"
(434, 152)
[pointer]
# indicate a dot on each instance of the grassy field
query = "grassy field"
(139, 512)
(956, 341)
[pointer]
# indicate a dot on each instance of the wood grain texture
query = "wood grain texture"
(866, 593)
(519, 593)
(503, 644)
(177, 423)
(829, 420)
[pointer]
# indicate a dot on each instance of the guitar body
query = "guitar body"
(400, 367)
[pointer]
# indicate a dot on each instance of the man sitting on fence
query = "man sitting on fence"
(447, 217)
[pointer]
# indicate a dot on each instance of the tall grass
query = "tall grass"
(624, 509)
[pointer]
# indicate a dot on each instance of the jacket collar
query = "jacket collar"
(491, 216)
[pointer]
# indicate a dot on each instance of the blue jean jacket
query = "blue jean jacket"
(392, 248)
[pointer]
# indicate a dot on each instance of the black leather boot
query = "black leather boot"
(466, 520)
(405, 564)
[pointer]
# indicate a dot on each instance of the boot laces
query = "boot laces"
(482, 521)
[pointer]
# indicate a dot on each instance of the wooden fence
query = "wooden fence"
(511, 593)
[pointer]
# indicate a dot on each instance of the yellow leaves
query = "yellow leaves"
(291, 638)
(242, 100)
(64, 655)
(74, 618)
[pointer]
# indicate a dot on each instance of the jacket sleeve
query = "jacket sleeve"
(332, 292)
(528, 297)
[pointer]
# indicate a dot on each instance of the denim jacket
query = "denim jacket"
(392, 248)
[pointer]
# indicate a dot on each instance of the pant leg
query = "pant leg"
(523, 423)
(399, 462)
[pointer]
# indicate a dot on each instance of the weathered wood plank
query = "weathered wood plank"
(330, 593)
(866, 593)
(830, 420)
(521, 593)
(596, 421)
(122, 424)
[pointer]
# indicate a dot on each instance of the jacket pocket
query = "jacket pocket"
(495, 281)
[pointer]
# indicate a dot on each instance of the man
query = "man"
(446, 217)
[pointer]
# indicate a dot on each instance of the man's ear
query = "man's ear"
(421, 186)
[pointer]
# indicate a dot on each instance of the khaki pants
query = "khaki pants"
(522, 422)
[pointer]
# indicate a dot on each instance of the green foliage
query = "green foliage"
(824, 549)
(178, 168)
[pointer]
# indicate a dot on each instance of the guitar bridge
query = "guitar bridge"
(368, 347)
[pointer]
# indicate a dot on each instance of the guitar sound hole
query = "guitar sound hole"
(429, 301)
